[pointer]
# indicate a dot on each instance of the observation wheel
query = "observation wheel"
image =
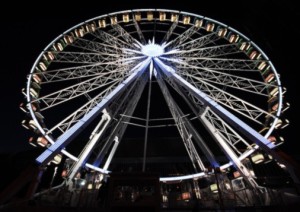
(94, 74)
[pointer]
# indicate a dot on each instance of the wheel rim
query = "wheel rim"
(210, 64)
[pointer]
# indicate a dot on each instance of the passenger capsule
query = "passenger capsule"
(257, 158)
(245, 46)
(270, 78)
(262, 65)
(79, 33)
(162, 16)
(214, 188)
(210, 27)
(186, 20)
(58, 47)
(138, 16)
(198, 23)
(113, 20)
(150, 16)
(125, 18)
(222, 32)
(174, 17)
(42, 66)
(57, 159)
(42, 141)
(234, 38)
(102, 23)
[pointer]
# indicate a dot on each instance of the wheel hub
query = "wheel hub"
(152, 50)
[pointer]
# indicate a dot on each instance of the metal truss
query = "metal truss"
(81, 72)
(222, 112)
(229, 100)
(88, 58)
(220, 63)
(86, 151)
(198, 108)
(213, 51)
(100, 64)
(139, 31)
(184, 132)
(97, 47)
(199, 42)
(74, 91)
(63, 140)
(232, 138)
(225, 146)
(178, 41)
(122, 33)
(126, 104)
(226, 79)
(120, 127)
(113, 40)
(170, 32)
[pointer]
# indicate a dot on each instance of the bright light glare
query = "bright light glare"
(152, 50)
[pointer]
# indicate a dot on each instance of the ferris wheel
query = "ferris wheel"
(94, 75)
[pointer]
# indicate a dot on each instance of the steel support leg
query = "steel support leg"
(94, 138)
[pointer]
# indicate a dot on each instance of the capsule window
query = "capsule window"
(257, 158)
(198, 23)
(222, 32)
(262, 65)
(90, 27)
(102, 23)
(138, 16)
(270, 78)
(214, 188)
(36, 78)
(33, 93)
(42, 141)
(149, 16)
(186, 19)
(42, 66)
(245, 46)
(48, 57)
(58, 47)
(162, 16)
(57, 159)
(174, 17)
(126, 18)
(113, 20)
(253, 55)
(32, 125)
(68, 39)
(210, 27)
(79, 33)
(274, 91)
(233, 38)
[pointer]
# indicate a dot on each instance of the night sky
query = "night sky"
(273, 27)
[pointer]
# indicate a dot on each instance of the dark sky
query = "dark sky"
(273, 26)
